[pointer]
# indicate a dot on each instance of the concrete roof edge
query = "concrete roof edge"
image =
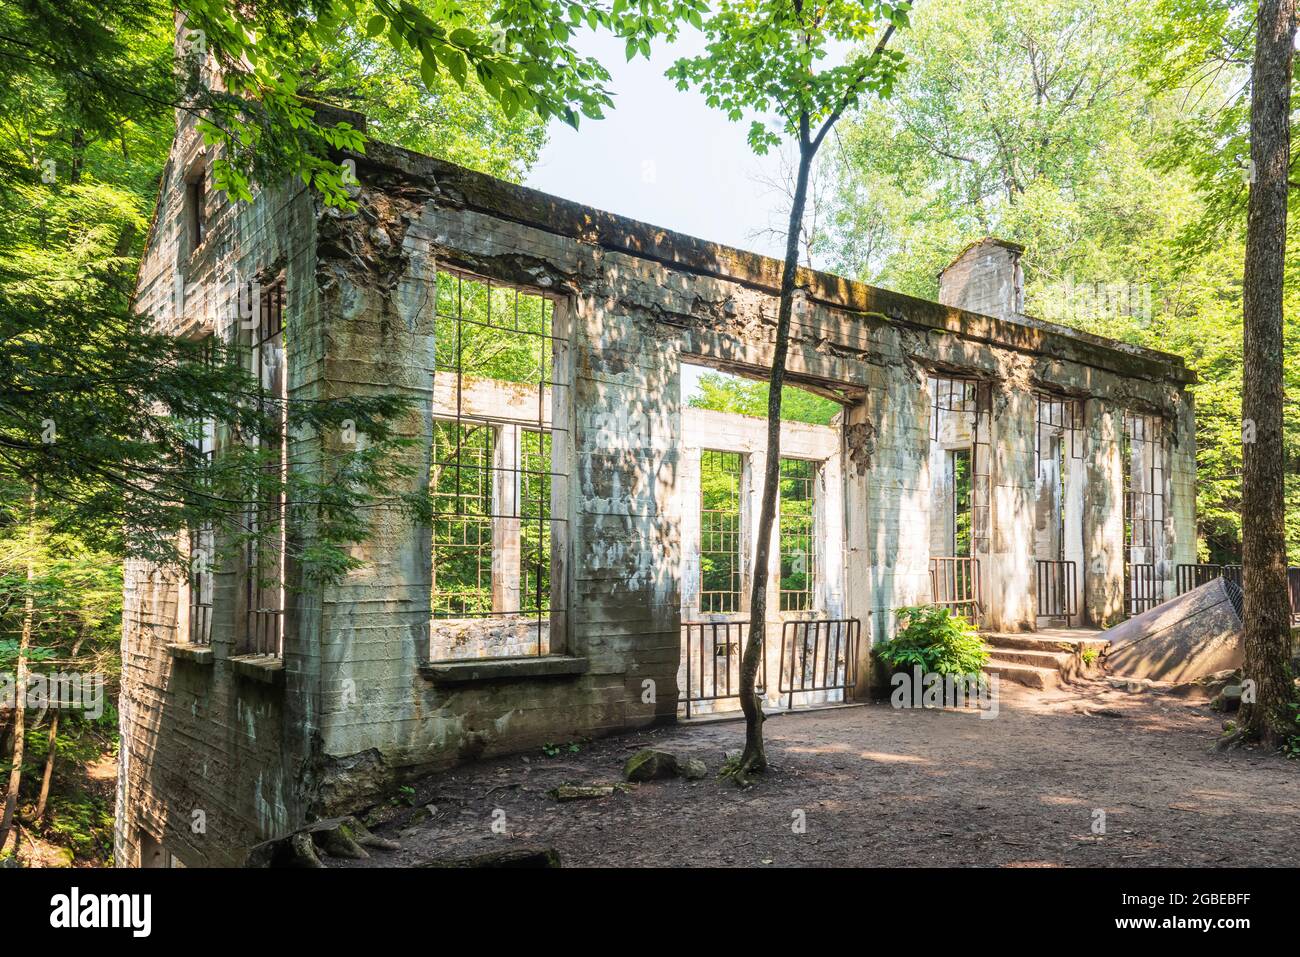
(564, 217)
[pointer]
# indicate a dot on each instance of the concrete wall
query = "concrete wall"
(355, 707)
(211, 756)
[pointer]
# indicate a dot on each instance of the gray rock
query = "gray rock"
(650, 765)
(693, 769)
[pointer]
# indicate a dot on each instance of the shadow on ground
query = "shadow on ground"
(878, 786)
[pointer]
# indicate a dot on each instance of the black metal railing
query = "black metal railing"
(1057, 589)
(1188, 577)
(712, 651)
(1142, 590)
(955, 584)
(819, 655)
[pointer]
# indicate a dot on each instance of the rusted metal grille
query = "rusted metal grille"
(972, 399)
(720, 558)
(818, 656)
(712, 651)
(798, 553)
(494, 473)
(264, 582)
(1061, 419)
(955, 584)
(1057, 590)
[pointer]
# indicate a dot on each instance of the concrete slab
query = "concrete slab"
(1195, 634)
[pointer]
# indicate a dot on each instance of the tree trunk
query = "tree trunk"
(20, 684)
(1267, 608)
(754, 758)
(52, 748)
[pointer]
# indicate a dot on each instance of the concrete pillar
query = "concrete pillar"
(1009, 597)
(506, 461)
(887, 491)
(1103, 513)
(1180, 492)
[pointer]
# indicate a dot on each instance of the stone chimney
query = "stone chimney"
(986, 278)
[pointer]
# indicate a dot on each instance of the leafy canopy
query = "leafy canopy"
(765, 57)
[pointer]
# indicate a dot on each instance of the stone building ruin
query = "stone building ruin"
(588, 569)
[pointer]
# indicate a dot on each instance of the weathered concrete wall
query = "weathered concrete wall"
(355, 709)
(211, 758)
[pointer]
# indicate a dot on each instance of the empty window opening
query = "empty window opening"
(202, 539)
(960, 454)
(493, 481)
(798, 568)
(196, 206)
(720, 517)
(1142, 463)
(264, 575)
(959, 463)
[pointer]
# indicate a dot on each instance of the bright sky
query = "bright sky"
(664, 157)
(661, 155)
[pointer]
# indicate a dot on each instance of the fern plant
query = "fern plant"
(939, 641)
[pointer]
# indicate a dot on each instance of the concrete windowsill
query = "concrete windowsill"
(268, 669)
(503, 669)
(185, 651)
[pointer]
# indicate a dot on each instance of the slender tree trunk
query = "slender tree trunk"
(52, 748)
(754, 757)
(20, 684)
(1267, 608)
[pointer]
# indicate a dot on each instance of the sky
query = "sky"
(662, 155)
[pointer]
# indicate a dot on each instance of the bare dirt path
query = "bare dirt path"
(879, 786)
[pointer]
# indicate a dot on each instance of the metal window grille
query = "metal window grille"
(461, 489)
(962, 516)
(972, 399)
(1142, 457)
(798, 560)
(201, 537)
(264, 581)
(494, 473)
(720, 558)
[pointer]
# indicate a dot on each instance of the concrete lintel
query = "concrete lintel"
(503, 669)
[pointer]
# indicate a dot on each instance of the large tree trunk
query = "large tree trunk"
(754, 757)
(1267, 608)
(20, 686)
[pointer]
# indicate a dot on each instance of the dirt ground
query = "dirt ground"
(878, 786)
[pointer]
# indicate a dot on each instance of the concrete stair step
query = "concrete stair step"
(1030, 642)
(1061, 660)
(1032, 676)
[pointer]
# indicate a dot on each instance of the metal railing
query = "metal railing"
(819, 655)
(1188, 577)
(1142, 589)
(1057, 589)
(955, 584)
(712, 650)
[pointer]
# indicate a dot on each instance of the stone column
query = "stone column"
(1009, 597)
(887, 492)
(507, 459)
(1103, 514)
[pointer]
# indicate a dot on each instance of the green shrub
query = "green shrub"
(939, 641)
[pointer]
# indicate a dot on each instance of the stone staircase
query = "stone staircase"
(1044, 659)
